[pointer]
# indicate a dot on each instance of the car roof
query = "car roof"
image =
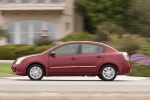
(92, 42)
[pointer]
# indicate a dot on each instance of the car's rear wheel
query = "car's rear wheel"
(35, 72)
(108, 73)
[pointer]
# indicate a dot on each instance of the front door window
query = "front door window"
(67, 49)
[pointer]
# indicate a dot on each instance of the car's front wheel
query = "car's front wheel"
(35, 72)
(108, 73)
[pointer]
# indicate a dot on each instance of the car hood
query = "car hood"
(30, 56)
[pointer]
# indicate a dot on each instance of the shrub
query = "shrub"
(7, 52)
(114, 41)
(42, 41)
(129, 46)
(127, 43)
(106, 28)
(25, 50)
(140, 65)
(42, 48)
(11, 52)
(145, 49)
(140, 70)
(82, 36)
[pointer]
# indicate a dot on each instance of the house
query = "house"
(30, 19)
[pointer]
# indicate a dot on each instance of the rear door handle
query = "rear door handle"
(99, 56)
(73, 58)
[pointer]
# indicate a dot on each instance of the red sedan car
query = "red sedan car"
(80, 58)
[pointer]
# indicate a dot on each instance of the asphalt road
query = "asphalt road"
(122, 84)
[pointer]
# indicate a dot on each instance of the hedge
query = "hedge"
(11, 52)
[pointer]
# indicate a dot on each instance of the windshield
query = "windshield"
(55, 45)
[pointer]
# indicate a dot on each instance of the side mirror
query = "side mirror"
(53, 53)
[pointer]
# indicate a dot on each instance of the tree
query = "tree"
(138, 17)
(96, 11)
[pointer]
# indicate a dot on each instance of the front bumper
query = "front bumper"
(18, 70)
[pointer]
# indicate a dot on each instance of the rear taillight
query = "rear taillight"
(125, 55)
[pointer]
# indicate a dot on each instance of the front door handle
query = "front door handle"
(73, 58)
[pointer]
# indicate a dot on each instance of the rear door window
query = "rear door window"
(91, 48)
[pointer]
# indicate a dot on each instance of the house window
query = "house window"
(41, 1)
(23, 1)
(23, 32)
(51, 29)
(37, 29)
(11, 1)
(54, 1)
(11, 30)
(17, 1)
(47, 1)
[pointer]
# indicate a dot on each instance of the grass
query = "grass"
(5, 69)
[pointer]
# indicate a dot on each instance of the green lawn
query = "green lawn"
(5, 69)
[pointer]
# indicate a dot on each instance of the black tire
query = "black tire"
(110, 76)
(99, 76)
(41, 74)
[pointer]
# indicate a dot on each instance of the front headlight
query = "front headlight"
(19, 60)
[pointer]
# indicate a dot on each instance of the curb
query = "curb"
(7, 61)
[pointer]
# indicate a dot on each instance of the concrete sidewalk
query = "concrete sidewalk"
(76, 96)
(7, 61)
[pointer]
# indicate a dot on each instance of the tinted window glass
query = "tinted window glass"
(89, 48)
(101, 49)
(67, 49)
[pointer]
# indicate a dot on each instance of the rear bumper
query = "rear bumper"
(125, 68)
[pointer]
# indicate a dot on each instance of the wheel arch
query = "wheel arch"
(118, 70)
(36, 63)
